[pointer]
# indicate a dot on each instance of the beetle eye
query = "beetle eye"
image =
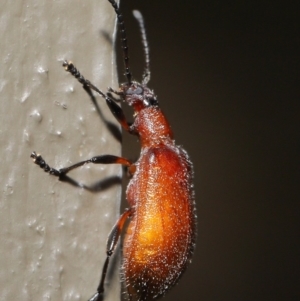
(148, 102)
(152, 102)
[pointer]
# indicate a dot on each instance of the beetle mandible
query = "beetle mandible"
(160, 237)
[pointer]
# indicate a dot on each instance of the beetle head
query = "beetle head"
(137, 95)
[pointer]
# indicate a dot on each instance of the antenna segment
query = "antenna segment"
(140, 19)
(123, 39)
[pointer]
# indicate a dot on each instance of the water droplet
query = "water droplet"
(37, 116)
(24, 96)
(70, 89)
(40, 229)
(40, 69)
(8, 190)
(25, 136)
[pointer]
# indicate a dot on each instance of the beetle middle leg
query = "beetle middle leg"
(117, 229)
(112, 241)
(104, 159)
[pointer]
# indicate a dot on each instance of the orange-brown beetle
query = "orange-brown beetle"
(160, 238)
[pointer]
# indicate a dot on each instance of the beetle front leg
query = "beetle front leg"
(114, 108)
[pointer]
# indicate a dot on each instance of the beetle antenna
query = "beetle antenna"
(123, 39)
(139, 17)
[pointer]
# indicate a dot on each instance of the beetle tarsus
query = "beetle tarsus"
(69, 67)
(38, 159)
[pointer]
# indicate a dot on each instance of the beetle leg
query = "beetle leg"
(104, 159)
(112, 241)
(118, 113)
(114, 108)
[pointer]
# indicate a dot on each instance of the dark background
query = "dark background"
(227, 75)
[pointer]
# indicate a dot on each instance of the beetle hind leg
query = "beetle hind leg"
(112, 241)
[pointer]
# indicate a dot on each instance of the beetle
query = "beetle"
(160, 237)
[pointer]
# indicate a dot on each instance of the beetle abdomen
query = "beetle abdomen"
(161, 235)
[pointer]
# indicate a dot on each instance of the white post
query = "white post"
(52, 234)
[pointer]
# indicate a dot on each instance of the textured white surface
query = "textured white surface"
(53, 234)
